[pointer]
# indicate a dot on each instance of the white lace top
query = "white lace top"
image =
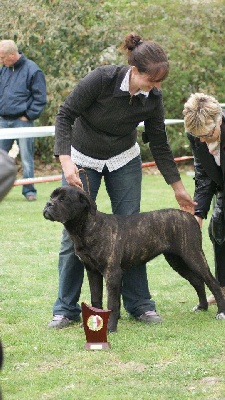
(214, 149)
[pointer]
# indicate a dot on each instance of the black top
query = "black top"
(100, 120)
(209, 177)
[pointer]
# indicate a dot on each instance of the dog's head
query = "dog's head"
(68, 203)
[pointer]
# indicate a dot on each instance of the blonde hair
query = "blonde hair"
(8, 46)
(201, 113)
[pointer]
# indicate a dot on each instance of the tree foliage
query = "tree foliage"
(69, 38)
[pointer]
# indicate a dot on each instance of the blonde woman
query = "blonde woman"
(204, 123)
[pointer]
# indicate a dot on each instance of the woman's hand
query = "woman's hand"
(70, 171)
(183, 198)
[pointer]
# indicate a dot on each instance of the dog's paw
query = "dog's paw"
(195, 308)
(198, 308)
(111, 330)
(220, 316)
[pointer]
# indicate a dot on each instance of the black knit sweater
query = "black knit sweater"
(100, 120)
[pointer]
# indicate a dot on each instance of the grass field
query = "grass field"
(182, 358)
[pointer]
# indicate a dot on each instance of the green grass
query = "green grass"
(183, 358)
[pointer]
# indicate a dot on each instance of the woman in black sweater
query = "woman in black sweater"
(96, 130)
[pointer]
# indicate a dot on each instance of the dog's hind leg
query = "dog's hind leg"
(215, 288)
(200, 266)
(96, 288)
(197, 281)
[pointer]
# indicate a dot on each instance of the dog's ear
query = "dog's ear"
(84, 198)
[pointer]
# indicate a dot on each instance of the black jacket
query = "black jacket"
(209, 177)
(7, 173)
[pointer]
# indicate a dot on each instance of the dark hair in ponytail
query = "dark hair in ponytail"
(147, 56)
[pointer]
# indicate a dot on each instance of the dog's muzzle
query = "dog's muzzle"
(47, 213)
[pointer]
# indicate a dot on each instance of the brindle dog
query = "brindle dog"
(108, 244)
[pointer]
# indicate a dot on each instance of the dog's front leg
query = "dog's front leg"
(113, 284)
(96, 288)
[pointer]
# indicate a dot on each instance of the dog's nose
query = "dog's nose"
(49, 204)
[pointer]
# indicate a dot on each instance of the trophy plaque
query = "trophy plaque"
(95, 323)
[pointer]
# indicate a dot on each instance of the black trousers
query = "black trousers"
(219, 257)
(217, 236)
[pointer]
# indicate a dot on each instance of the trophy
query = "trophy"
(95, 323)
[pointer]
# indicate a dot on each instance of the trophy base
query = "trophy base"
(97, 346)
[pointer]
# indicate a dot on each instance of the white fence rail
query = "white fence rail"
(16, 133)
(43, 131)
